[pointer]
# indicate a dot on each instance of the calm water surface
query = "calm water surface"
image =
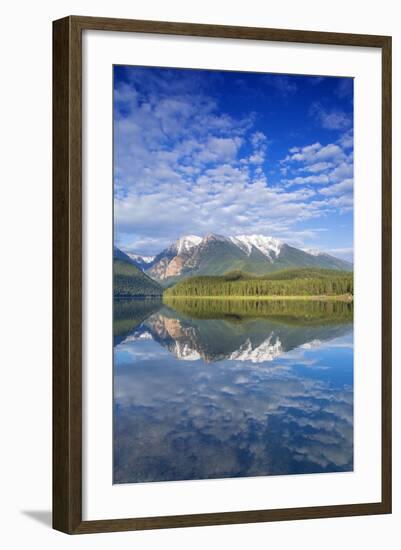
(215, 389)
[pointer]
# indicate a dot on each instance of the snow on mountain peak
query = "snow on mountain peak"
(265, 245)
(185, 351)
(313, 251)
(187, 243)
(268, 246)
(145, 259)
(268, 350)
(214, 237)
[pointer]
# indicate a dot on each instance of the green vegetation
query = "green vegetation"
(306, 282)
(290, 312)
(131, 312)
(216, 329)
(130, 281)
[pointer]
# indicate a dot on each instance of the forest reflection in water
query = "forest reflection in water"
(225, 388)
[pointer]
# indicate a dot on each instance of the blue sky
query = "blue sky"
(199, 151)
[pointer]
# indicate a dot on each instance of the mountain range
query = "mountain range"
(216, 254)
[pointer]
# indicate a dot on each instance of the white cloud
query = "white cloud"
(331, 119)
(222, 198)
(182, 166)
(259, 143)
(218, 149)
(321, 178)
(344, 203)
(315, 153)
(347, 140)
(342, 170)
(345, 186)
(258, 138)
(328, 152)
(332, 172)
(317, 167)
(257, 158)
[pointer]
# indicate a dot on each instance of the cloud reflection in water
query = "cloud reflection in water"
(213, 398)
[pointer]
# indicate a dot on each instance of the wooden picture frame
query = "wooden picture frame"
(67, 274)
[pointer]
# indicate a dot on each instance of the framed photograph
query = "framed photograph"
(222, 275)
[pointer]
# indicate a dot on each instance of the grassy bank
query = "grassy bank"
(291, 311)
(323, 298)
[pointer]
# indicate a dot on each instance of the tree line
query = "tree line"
(300, 286)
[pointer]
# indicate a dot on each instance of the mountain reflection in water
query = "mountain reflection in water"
(214, 389)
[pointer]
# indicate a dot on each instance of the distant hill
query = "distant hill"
(143, 262)
(216, 254)
(130, 281)
(290, 282)
(120, 255)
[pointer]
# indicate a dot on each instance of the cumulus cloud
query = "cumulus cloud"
(331, 166)
(192, 178)
(221, 198)
(344, 186)
(342, 170)
(258, 141)
(317, 167)
(346, 140)
(183, 165)
(316, 153)
(320, 178)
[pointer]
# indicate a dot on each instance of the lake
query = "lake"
(223, 388)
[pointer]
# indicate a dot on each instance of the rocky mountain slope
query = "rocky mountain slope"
(216, 254)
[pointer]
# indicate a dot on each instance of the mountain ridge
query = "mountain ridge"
(216, 254)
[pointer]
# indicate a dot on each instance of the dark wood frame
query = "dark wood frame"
(67, 274)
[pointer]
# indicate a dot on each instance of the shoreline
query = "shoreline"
(338, 298)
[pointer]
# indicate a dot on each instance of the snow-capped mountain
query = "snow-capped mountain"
(143, 262)
(186, 244)
(144, 259)
(268, 246)
(217, 254)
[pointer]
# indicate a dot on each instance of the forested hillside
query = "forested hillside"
(291, 282)
(130, 281)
